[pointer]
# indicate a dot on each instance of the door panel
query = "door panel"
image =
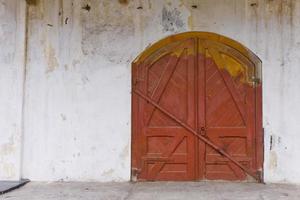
(169, 150)
(208, 126)
(229, 116)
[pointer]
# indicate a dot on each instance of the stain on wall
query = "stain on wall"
(52, 62)
(273, 160)
(8, 148)
(111, 38)
(124, 2)
(32, 2)
(108, 173)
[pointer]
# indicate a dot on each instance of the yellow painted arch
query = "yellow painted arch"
(205, 36)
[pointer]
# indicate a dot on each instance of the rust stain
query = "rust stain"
(281, 8)
(149, 4)
(51, 59)
(190, 22)
(32, 2)
(35, 10)
(124, 2)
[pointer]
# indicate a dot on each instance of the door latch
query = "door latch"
(202, 130)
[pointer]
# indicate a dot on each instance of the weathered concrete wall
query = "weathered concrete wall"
(77, 108)
(77, 88)
(12, 39)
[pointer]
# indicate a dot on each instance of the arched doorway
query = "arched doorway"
(197, 110)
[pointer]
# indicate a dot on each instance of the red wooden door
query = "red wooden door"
(195, 110)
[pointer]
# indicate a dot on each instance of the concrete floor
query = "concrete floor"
(153, 191)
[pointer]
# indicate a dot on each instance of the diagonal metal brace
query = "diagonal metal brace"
(207, 141)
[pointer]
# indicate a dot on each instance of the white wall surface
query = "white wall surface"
(77, 89)
(12, 29)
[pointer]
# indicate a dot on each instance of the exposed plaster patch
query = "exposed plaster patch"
(111, 38)
(172, 20)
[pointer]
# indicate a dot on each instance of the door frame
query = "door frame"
(257, 81)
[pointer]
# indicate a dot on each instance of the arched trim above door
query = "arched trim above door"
(213, 38)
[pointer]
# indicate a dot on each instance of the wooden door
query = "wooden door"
(195, 110)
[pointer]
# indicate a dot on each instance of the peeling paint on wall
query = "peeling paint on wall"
(106, 38)
(172, 20)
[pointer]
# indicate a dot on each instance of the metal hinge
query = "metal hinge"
(260, 175)
(255, 80)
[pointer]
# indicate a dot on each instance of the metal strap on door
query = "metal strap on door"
(204, 139)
